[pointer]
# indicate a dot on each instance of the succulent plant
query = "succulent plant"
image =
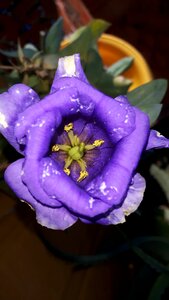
(36, 66)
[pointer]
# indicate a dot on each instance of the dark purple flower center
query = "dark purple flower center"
(82, 149)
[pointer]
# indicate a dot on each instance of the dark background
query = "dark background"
(27, 269)
(144, 24)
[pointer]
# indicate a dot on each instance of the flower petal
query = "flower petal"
(54, 218)
(38, 144)
(73, 197)
(132, 201)
(64, 102)
(69, 66)
(117, 116)
(156, 140)
(13, 102)
(112, 185)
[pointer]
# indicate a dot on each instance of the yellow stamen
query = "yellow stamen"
(75, 151)
(76, 140)
(71, 138)
(55, 148)
(82, 164)
(68, 127)
(68, 162)
(58, 147)
(83, 175)
(98, 143)
(67, 171)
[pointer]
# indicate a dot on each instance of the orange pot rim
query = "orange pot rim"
(128, 50)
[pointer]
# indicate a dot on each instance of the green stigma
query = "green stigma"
(75, 151)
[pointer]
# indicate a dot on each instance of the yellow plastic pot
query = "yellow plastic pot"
(112, 48)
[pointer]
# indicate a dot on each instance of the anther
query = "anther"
(98, 143)
(58, 147)
(68, 127)
(83, 175)
(67, 171)
(55, 148)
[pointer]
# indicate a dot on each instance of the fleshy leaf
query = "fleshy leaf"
(54, 37)
(106, 84)
(120, 66)
(159, 287)
(87, 39)
(150, 260)
(94, 66)
(29, 50)
(149, 93)
(9, 53)
(73, 36)
(153, 111)
(50, 61)
(33, 81)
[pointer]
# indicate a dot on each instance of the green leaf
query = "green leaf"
(33, 81)
(50, 61)
(151, 261)
(30, 50)
(2, 90)
(106, 85)
(86, 39)
(43, 87)
(149, 93)
(21, 55)
(158, 247)
(120, 66)
(54, 37)
(75, 35)
(159, 287)
(13, 54)
(14, 74)
(93, 66)
(149, 239)
(153, 111)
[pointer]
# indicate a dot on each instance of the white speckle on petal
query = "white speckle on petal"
(46, 172)
(159, 135)
(73, 99)
(126, 119)
(55, 172)
(17, 91)
(113, 188)
(91, 201)
(42, 123)
(103, 189)
(3, 120)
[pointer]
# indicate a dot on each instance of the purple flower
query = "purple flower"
(81, 149)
